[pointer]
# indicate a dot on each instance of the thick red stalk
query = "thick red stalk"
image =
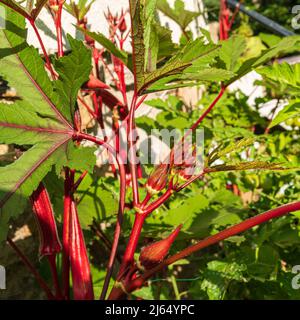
(132, 152)
(128, 256)
(133, 242)
(223, 20)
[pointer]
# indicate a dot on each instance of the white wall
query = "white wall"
(98, 23)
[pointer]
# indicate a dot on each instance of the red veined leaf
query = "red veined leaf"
(39, 120)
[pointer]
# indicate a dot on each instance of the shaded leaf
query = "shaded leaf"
(95, 201)
(231, 51)
(218, 275)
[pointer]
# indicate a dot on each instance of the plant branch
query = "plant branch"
(229, 232)
(60, 50)
(48, 62)
(32, 269)
(52, 263)
(132, 243)
(132, 152)
(208, 110)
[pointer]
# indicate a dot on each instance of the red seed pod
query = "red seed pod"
(110, 100)
(43, 212)
(80, 267)
(158, 178)
(95, 83)
(156, 252)
(89, 41)
(117, 64)
(123, 25)
(184, 162)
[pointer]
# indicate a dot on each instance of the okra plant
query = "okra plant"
(148, 219)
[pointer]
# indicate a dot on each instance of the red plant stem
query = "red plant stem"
(117, 232)
(223, 20)
(79, 180)
(109, 71)
(122, 75)
(237, 9)
(123, 84)
(66, 234)
(137, 229)
(91, 112)
(60, 50)
(229, 232)
(32, 269)
(133, 242)
(48, 62)
(187, 183)
(132, 153)
(146, 200)
(156, 204)
(139, 103)
(98, 109)
(52, 263)
(208, 110)
(134, 237)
